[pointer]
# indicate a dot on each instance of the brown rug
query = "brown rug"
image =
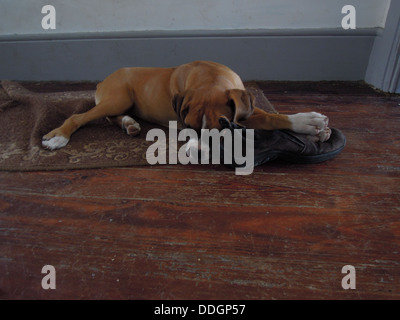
(30, 110)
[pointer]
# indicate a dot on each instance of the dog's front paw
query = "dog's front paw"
(196, 151)
(311, 123)
(324, 135)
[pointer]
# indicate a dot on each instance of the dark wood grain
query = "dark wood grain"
(201, 232)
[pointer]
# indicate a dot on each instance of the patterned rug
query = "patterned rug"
(30, 110)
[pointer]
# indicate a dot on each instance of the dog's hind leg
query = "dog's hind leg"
(60, 136)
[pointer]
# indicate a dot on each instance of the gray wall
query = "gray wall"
(24, 17)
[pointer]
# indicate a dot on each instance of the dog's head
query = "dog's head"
(198, 109)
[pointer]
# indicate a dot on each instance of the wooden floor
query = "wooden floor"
(201, 232)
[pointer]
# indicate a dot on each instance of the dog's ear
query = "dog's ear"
(242, 102)
(181, 103)
(177, 102)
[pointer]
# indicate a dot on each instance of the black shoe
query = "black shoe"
(288, 146)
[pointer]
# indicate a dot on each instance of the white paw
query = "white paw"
(196, 151)
(131, 127)
(54, 143)
(311, 123)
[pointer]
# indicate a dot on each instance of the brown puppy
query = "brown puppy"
(196, 94)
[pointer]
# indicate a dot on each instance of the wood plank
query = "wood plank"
(140, 244)
(185, 185)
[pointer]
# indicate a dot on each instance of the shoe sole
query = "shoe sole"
(295, 158)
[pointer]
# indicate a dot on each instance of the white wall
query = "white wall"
(24, 17)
